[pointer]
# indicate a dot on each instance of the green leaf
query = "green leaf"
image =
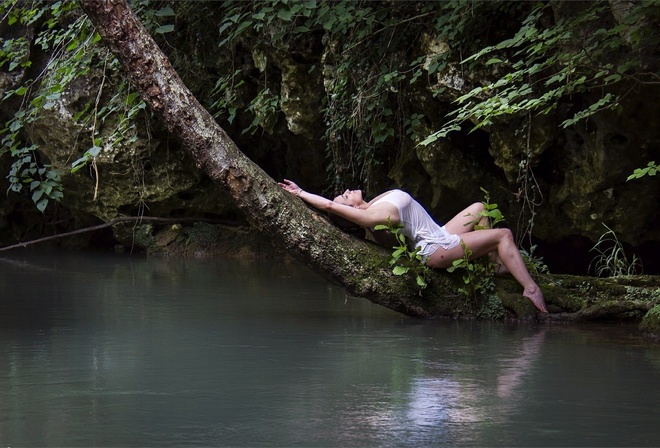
(165, 12)
(37, 195)
(400, 270)
(285, 15)
(397, 253)
(612, 78)
(650, 170)
(42, 204)
(94, 151)
(164, 29)
(494, 61)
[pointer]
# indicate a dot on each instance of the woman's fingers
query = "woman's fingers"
(289, 186)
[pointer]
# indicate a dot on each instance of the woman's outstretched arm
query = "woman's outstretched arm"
(367, 218)
(316, 201)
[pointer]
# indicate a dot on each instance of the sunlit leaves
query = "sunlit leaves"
(649, 170)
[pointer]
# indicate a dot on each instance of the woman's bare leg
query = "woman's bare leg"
(482, 242)
(501, 269)
(466, 220)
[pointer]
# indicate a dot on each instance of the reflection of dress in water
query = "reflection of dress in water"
(437, 400)
(443, 410)
(433, 412)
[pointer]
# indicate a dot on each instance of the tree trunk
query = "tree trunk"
(357, 265)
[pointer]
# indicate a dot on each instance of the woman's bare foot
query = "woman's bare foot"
(536, 296)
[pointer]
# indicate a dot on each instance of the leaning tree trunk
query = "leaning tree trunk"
(354, 264)
(360, 267)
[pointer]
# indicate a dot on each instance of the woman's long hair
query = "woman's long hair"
(347, 226)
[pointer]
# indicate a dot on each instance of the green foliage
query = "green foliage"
(14, 52)
(40, 94)
(154, 20)
(477, 274)
(44, 182)
(264, 107)
(535, 265)
(225, 96)
(368, 80)
(542, 65)
(69, 40)
(650, 170)
(492, 307)
(119, 113)
(611, 259)
(491, 212)
(403, 259)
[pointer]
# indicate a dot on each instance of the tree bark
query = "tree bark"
(358, 266)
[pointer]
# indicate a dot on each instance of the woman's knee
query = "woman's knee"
(475, 210)
(505, 235)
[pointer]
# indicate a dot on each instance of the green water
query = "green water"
(117, 350)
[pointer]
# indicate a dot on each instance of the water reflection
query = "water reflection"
(451, 393)
(123, 351)
(519, 364)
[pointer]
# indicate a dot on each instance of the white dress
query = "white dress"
(418, 226)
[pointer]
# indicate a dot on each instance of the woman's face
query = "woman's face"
(350, 197)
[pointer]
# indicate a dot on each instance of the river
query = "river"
(123, 350)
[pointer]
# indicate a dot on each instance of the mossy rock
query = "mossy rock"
(521, 307)
(651, 321)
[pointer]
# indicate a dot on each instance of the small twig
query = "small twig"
(112, 223)
(383, 29)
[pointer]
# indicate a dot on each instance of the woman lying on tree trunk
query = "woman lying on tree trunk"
(439, 245)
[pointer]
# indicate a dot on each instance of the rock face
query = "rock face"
(578, 175)
(143, 174)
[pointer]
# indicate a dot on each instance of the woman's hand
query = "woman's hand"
(291, 187)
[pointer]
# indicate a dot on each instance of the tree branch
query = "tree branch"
(103, 226)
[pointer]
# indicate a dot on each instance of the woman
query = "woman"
(440, 245)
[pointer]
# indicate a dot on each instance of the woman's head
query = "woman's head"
(351, 197)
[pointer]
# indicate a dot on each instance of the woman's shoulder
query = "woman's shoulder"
(395, 194)
(398, 193)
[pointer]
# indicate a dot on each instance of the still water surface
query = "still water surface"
(118, 350)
